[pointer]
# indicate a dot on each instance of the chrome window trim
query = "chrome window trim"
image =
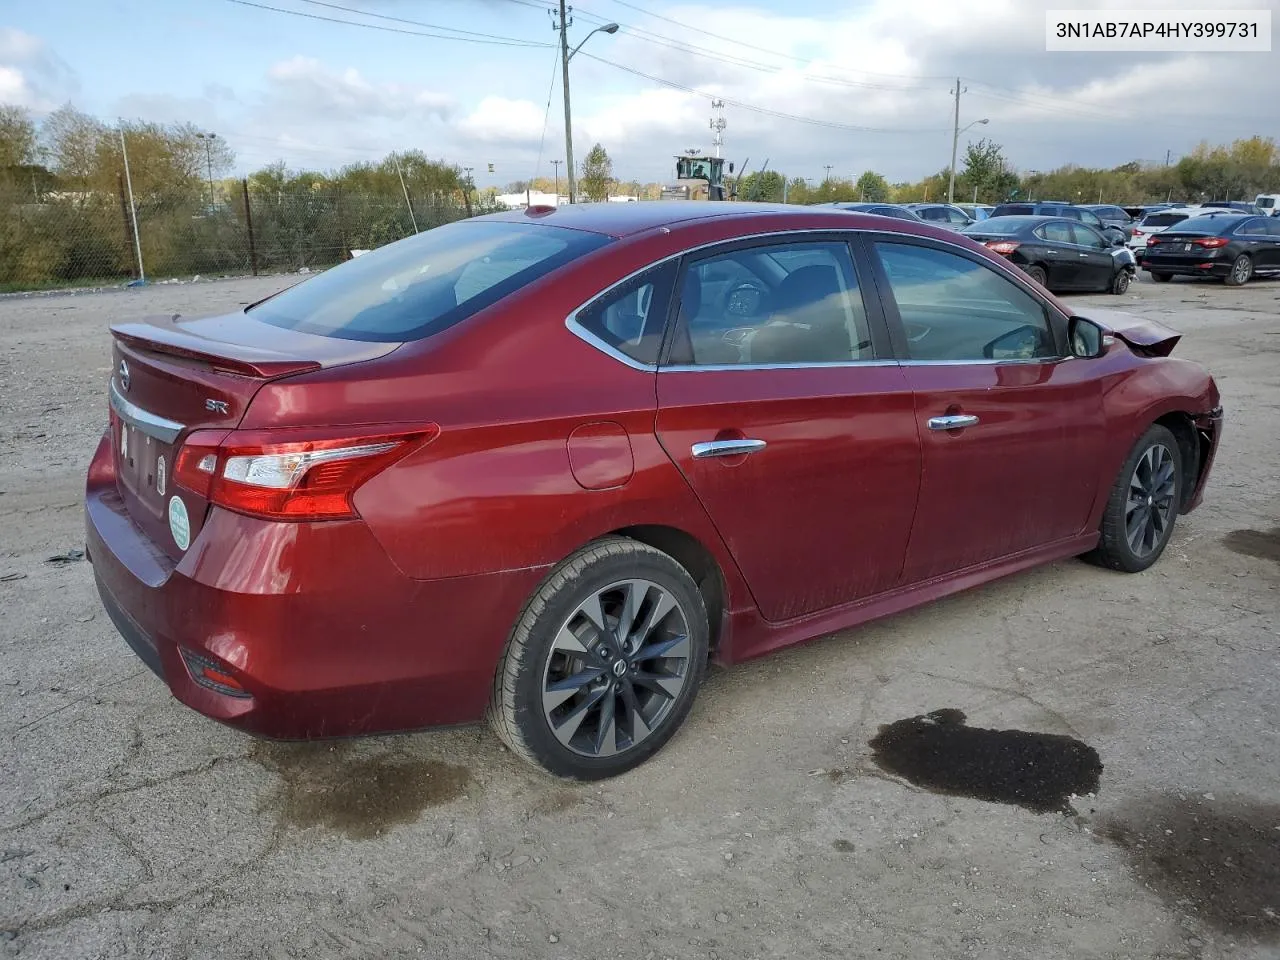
(153, 425)
(582, 333)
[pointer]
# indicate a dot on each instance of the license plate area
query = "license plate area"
(144, 465)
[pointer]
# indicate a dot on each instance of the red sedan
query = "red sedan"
(543, 465)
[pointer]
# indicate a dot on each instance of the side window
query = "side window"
(955, 216)
(782, 303)
(1254, 227)
(956, 309)
(1057, 232)
(1086, 237)
(1272, 226)
(934, 214)
(630, 318)
(1070, 213)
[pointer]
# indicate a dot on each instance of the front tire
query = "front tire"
(1143, 506)
(1241, 271)
(603, 666)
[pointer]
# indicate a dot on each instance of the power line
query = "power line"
(416, 23)
(833, 124)
(479, 38)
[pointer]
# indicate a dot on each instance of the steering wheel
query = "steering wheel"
(744, 299)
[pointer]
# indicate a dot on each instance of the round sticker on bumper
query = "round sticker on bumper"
(179, 523)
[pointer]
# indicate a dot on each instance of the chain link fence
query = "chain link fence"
(64, 239)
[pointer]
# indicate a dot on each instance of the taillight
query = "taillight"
(1137, 232)
(1212, 242)
(1153, 241)
(1002, 247)
(311, 477)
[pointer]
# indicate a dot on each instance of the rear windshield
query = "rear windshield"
(1207, 224)
(1013, 209)
(1163, 219)
(1266, 203)
(420, 285)
(1002, 226)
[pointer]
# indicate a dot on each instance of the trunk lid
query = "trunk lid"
(172, 377)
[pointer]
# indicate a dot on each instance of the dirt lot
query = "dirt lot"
(132, 827)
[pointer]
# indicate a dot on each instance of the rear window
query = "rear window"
(425, 283)
(1207, 224)
(1163, 219)
(1266, 203)
(1013, 210)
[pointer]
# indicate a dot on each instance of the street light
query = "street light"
(955, 144)
(208, 139)
(566, 55)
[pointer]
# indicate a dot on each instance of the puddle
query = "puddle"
(323, 786)
(1038, 771)
(1254, 543)
(1218, 860)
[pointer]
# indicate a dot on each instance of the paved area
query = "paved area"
(132, 827)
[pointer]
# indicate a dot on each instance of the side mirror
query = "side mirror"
(1085, 338)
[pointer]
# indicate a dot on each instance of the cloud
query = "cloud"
(307, 84)
(31, 75)
(497, 120)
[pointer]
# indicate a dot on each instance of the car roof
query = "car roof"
(630, 219)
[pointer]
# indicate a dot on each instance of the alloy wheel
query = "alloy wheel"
(1242, 269)
(616, 668)
(1149, 507)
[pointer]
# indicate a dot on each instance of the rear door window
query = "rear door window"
(1057, 232)
(425, 283)
(631, 317)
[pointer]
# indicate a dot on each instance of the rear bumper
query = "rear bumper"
(323, 633)
(1185, 268)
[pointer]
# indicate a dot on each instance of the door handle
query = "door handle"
(954, 422)
(726, 448)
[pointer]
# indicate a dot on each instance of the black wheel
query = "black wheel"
(1038, 275)
(1241, 271)
(1143, 505)
(1160, 277)
(604, 663)
(1120, 282)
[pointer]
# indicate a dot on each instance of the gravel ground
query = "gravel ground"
(130, 826)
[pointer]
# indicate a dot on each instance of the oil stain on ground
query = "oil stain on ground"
(1255, 543)
(322, 785)
(1218, 860)
(1038, 771)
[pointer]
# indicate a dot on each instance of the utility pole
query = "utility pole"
(568, 123)
(828, 169)
(955, 142)
(133, 207)
(1168, 155)
(400, 174)
(556, 164)
(208, 139)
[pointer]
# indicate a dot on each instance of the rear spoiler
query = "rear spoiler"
(1148, 337)
(161, 334)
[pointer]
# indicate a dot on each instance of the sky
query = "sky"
(857, 85)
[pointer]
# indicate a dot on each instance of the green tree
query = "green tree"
(17, 137)
(873, 188)
(763, 185)
(597, 174)
(987, 174)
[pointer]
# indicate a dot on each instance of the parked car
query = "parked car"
(1268, 204)
(1057, 253)
(1112, 216)
(1155, 222)
(941, 214)
(1046, 208)
(879, 209)
(1233, 246)
(976, 211)
(541, 465)
(1239, 206)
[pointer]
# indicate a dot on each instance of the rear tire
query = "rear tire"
(604, 663)
(1143, 506)
(1241, 271)
(1160, 277)
(1120, 282)
(1038, 275)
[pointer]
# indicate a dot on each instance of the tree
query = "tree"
(987, 174)
(597, 174)
(764, 185)
(17, 137)
(873, 188)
